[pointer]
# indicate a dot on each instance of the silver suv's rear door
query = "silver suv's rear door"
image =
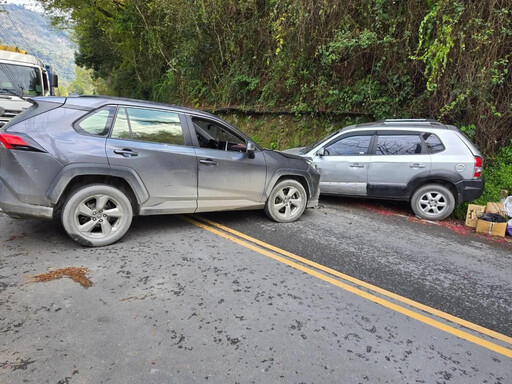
(398, 157)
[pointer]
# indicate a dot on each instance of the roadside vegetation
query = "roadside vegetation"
(325, 62)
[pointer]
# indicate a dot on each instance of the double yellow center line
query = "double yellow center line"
(333, 277)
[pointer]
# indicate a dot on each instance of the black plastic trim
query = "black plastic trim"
(470, 190)
(69, 172)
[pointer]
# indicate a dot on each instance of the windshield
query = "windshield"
(311, 146)
(24, 81)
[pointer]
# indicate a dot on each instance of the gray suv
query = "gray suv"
(97, 161)
(432, 165)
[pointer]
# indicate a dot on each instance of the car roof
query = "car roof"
(92, 102)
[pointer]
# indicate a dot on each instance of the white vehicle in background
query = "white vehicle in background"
(22, 76)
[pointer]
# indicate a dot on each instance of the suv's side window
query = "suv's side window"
(399, 145)
(349, 146)
(151, 125)
(433, 142)
(214, 136)
(96, 123)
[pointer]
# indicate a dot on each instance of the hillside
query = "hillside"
(38, 38)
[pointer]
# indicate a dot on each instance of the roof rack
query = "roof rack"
(429, 122)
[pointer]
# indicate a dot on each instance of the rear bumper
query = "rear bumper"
(469, 190)
(10, 205)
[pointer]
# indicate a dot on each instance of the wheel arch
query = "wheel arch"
(76, 176)
(446, 179)
(289, 174)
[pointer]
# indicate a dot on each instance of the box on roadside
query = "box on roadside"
(474, 212)
(493, 229)
(495, 208)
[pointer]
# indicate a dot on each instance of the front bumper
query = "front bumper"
(313, 200)
(314, 187)
(11, 206)
(469, 190)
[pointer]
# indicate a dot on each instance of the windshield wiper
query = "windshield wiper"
(12, 93)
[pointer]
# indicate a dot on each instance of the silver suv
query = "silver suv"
(432, 165)
(98, 161)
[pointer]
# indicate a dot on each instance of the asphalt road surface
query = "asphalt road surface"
(351, 293)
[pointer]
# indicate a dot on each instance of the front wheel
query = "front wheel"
(433, 202)
(286, 202)
(97, 215)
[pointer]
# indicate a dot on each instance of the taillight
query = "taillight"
(478, 167)
(13, 142)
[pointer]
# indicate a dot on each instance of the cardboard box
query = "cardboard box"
(495, 208)
(474, 212)
(493, 229)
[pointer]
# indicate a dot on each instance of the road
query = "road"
(352, 293)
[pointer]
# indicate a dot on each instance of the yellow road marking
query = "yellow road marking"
(364, 284)
(424, 319)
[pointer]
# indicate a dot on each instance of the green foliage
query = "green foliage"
(442, 59)
(85, 83)
(469, 130)
(437, 46)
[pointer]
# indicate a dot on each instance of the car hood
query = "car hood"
(291, 155)
(292, 151)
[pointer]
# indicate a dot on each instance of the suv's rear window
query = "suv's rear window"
(399, 145)
(433, 142)
(96, 123)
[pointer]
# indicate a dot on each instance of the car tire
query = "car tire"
(97, 215)
(286, 202)
(433, 202)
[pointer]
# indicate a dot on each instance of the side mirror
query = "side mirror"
(55, 80)
(251, 147)
(321, 152)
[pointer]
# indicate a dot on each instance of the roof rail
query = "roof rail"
(412, 121)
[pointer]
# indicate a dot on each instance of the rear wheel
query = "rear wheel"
(433, 202)
(286, 202)
(97, 215)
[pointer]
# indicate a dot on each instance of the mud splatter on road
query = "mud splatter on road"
(74, 273)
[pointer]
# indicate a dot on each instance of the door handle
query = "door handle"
(126, 152)
(356, 165)
(209, 162)
(417, 165)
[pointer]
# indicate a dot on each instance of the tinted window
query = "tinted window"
(398, 145)
(96, 123)
(354, 145)
(212, 135)
(148, 125)
(433, 142)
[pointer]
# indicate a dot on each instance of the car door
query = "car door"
(152, 143)
(228, 177)
(399, 156)
(343, 164)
